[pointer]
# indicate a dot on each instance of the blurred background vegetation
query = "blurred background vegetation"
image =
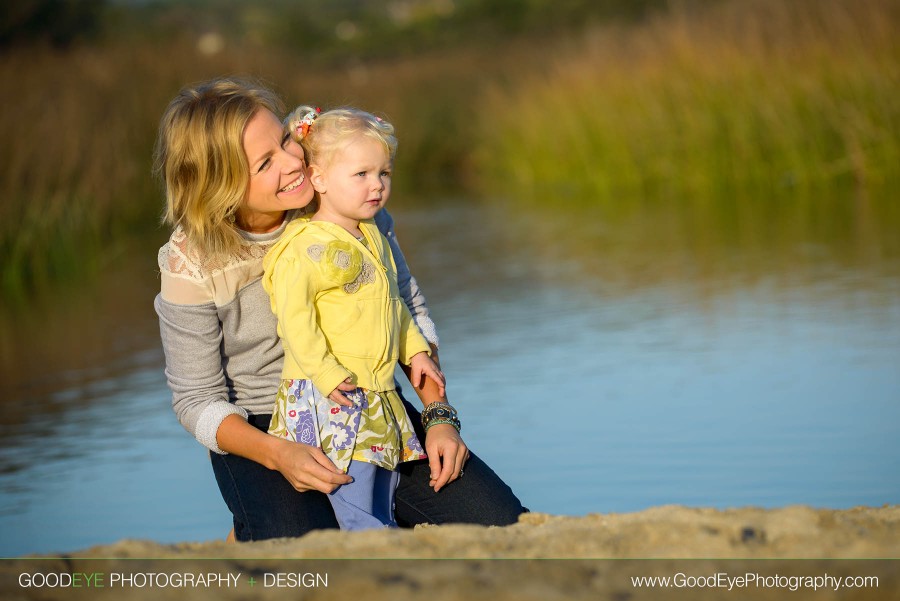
(695, 103)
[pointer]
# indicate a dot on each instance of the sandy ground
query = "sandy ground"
(542, 557)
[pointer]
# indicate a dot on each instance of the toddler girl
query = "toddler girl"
(332, 283)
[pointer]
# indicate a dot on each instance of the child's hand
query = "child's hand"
(337, 395)
(421, 365)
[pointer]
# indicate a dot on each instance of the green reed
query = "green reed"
(744, 100)
(78, 129)
(74, 162)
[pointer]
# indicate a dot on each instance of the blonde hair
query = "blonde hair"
(200, 158)
(328, 132)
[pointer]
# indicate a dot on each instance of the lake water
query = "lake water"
(599, 365)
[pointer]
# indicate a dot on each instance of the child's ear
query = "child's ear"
(317, 178)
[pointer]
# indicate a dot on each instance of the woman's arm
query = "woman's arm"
(447, 453)
(305, 467)
(191, 338)
(409, 287)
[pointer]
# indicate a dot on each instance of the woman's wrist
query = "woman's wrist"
(434, 354)
(273, 452)
(441, 432)
(238, 437)
(438, 413)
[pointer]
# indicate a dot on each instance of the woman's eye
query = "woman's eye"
(264, 165)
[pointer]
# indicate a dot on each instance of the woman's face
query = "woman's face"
(278, 179)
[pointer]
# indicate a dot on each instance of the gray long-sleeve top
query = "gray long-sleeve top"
(223, 355)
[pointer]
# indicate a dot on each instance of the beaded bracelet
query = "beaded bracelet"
(437, 421)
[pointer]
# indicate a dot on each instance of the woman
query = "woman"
(233, 180)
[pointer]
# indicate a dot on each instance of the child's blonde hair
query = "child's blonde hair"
(322, 135)
(200, 158)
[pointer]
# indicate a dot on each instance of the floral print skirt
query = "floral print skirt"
(376, 429)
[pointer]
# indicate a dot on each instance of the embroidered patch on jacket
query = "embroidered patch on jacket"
(343, 264)
(366, 276)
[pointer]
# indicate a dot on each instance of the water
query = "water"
(599, 364)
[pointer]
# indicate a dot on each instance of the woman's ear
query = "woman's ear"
(317, 178)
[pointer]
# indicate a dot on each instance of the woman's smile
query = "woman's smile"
(294, 184)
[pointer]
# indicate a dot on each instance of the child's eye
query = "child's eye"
(385, 174)
(361, 174)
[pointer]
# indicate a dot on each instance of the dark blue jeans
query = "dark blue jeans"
(265, 506)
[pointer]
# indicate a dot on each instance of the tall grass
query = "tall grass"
(73, 166)
(78, 129)
(743, 99)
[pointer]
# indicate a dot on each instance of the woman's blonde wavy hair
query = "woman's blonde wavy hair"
(199, 158)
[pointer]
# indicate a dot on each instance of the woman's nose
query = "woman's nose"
(291, 162)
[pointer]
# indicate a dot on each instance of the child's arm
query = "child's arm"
(414, 351)
(337, 395)
(293, 286)
(422, 366)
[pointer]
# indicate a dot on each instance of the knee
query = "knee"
(503, 511)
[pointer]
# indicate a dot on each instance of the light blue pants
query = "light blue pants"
(368, 501)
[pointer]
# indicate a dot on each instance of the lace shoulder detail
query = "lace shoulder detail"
(179, 258)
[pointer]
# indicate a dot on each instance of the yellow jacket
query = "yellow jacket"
(339, 310)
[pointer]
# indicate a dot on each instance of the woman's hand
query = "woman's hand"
(337, 395)
(420, 366)
(304, 466)
(447, 453)
(308, 468)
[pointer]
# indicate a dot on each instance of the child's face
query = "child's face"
(356, 184)
(278, 178)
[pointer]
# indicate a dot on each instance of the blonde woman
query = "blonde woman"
(233, 182)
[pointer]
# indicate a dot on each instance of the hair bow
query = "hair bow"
(299, 127)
